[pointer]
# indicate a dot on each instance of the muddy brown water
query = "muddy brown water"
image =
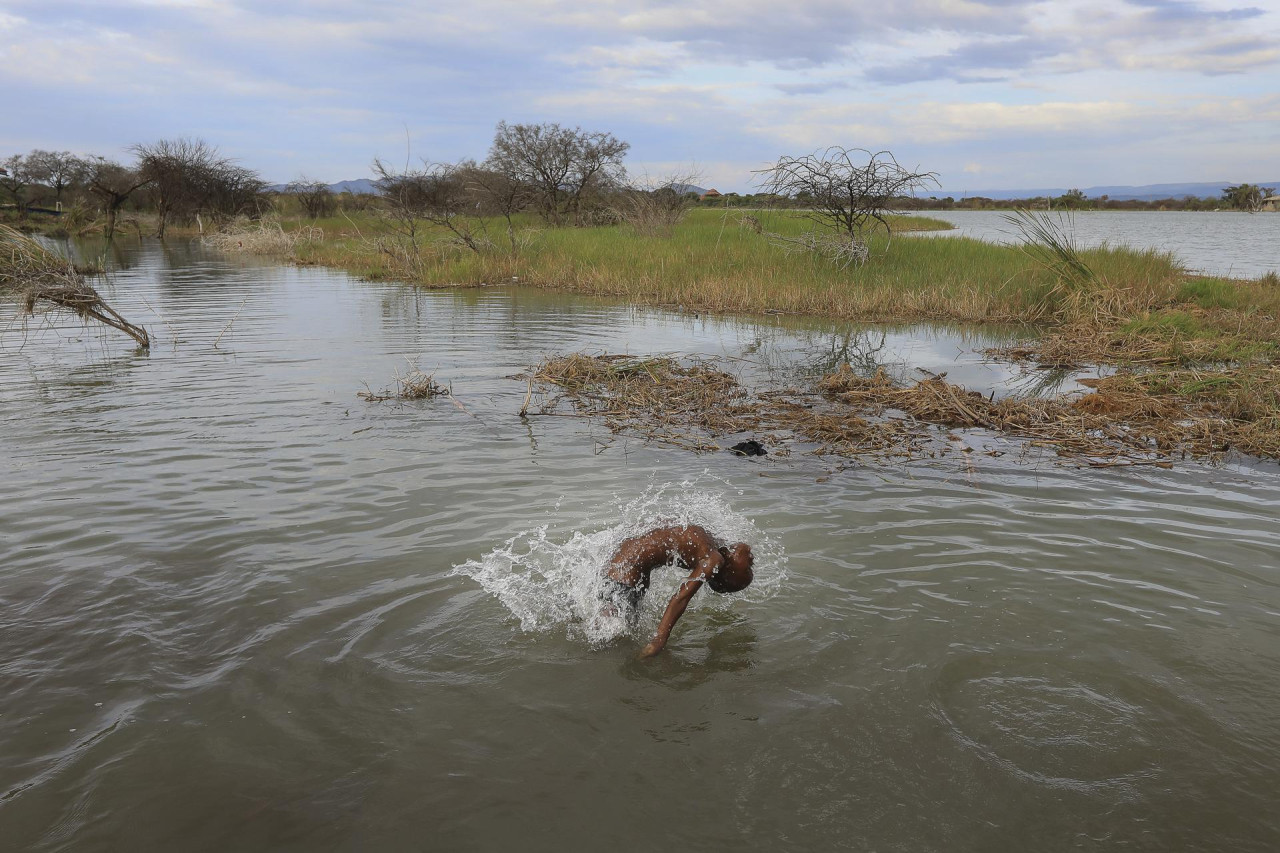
(241, 609)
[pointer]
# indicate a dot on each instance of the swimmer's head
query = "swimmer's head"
(736, 572)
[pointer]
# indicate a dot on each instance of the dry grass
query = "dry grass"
(262, 237)
(414, 384)
(34, 278)
(1131, 418)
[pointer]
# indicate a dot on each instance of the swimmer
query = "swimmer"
(724, 568)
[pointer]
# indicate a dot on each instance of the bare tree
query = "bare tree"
(57, 170)
(189, 176)
(842, 190)
(315, 196)
(434, 194)
(232, 190)
(498, 193)
(565, 169)
(655, 207)
(113, 184)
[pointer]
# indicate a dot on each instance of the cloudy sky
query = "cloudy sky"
(988, 93)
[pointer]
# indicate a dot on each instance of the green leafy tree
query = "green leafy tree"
(1246, 196)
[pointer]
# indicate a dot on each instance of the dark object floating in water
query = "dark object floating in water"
(750, 447)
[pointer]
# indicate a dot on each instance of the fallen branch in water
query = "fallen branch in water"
(32, 276)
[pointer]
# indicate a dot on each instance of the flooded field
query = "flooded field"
(242, 609)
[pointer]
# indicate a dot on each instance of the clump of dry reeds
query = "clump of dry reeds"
(414, 385)
(261, 237)
(1130, 418)
(34, 277)
(658, 396)
(688, 403)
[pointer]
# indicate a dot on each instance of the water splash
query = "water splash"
(550, 582)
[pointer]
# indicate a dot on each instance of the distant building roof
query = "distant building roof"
(711, 193)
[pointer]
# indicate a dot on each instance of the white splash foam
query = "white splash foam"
(549, 584)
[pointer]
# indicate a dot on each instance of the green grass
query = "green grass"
(712, 262)
(1166, 324)
(1210, 292)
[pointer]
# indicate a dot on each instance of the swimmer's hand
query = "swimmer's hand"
(651, 649)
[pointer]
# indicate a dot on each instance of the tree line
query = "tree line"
(1246, 197)
(179, 179)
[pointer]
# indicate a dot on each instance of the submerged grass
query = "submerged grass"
(1131, 418)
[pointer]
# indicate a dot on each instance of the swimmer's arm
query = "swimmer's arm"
(676, 606)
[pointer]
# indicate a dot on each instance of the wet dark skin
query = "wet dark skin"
(724, 568)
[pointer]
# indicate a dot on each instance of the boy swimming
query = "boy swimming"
(724, 568)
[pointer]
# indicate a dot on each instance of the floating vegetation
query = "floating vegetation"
(34, 278)
(687, 404)
(414, 385)
(1130, 418)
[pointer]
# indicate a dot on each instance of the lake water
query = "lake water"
(241, 609)
(1226, 243)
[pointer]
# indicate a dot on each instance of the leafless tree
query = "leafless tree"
(842, 191)
(567, 170)
(435, 194)
(497, 193)
(113, 184)
(655, 207)
(190, 176)
(315, 196)
(57, 170)
(233, 190)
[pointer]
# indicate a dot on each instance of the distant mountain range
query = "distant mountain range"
(358, 186)
(1147, 192)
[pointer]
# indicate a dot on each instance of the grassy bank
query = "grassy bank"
(1138, 306)
(713, 261)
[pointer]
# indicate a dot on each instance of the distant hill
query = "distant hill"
(1147, 192)
(360, 186)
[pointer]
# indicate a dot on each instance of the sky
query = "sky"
(994, 94)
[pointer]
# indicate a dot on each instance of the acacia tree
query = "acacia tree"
(565, 169)
(57, 170)
(434, 194)
(846, 189)
(113, 184)
(1246, 196)
(315, 196)
(188, 176)
(498, 193)
(15, 177)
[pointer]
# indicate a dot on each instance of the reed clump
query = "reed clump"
(413, 385)
(34, 278)
(1129, 418)
(262, 237)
